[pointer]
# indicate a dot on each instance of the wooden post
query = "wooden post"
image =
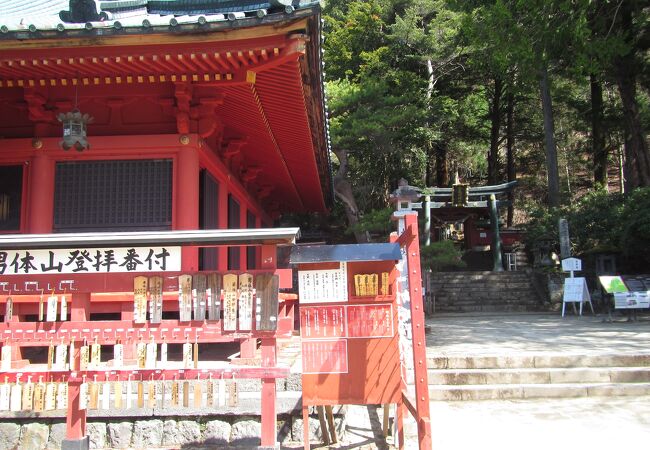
(247, 348)
(269, 413)
(75, 435)
(427, 220)
(417, 326)
(187, 202)
(332, 425)
(243, 223)
(401, 409)
(222, 218)
(76, 418)
(127, 314)
(40, 212)
(496, 238)
(269, 359)
(386, 417)
(80, 308)
(305, 426)
(17, 350)
(323, 424)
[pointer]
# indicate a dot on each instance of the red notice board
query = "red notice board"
(325, 356)
(322, 322)
(370, 321)
(350, 351)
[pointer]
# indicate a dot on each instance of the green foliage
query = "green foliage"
(377, 222)
(353, 30)
(408, 77)
(599, 222)
(443, 255)
(634, 235)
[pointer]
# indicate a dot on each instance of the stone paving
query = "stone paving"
(562, 424)
(581, 423)
(500, 334)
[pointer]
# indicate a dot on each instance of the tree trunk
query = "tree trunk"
(343, 190)
(598, 148)
(431, 155)
(549, 139)
(621, 169)
(510, 154)
(495, 118)
(637, 159)
(430, 168)
(442, 170)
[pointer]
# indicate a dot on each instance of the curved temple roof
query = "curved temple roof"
(61, 15)
(246, 74)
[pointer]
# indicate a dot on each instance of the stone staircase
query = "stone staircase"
(538, 376)
(459, 292)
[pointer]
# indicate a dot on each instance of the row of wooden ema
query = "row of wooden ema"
(200, 297)
(112, 392)
(111, 332)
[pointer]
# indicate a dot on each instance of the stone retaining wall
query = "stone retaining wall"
(468, 291)
(196, 432)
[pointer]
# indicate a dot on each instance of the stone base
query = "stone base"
(76, 444)
(199, 432)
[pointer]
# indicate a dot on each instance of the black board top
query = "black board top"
(305, 254)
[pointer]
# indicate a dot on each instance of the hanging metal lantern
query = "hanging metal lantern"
(74, 130)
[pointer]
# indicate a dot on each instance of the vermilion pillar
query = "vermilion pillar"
(75, 436)
(269, 359)
(243, 223)
(222, 261)
(40, 209)
(187, 202)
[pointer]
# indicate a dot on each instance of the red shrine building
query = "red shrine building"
(161, 115)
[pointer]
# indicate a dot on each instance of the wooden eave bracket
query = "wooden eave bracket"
(295, 48)
(36, 107)
(264, 191)
(233, 147)
(201, 117)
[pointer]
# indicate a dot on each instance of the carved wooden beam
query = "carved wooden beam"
(42, 117)
(250, 173)
(233, 148)
(183, 95)
(264, 191)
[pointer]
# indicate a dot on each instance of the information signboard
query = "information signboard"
(351, 332)
(90, 260)
(347, 321)
(576, 291)
(322, 322)
(323, 286)
(370, 321)
(571, 265)
(324, 356)
(612, 284)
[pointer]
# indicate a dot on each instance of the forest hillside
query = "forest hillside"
(552, 93)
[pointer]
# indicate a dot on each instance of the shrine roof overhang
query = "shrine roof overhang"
(251, 88)
(55, 18)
